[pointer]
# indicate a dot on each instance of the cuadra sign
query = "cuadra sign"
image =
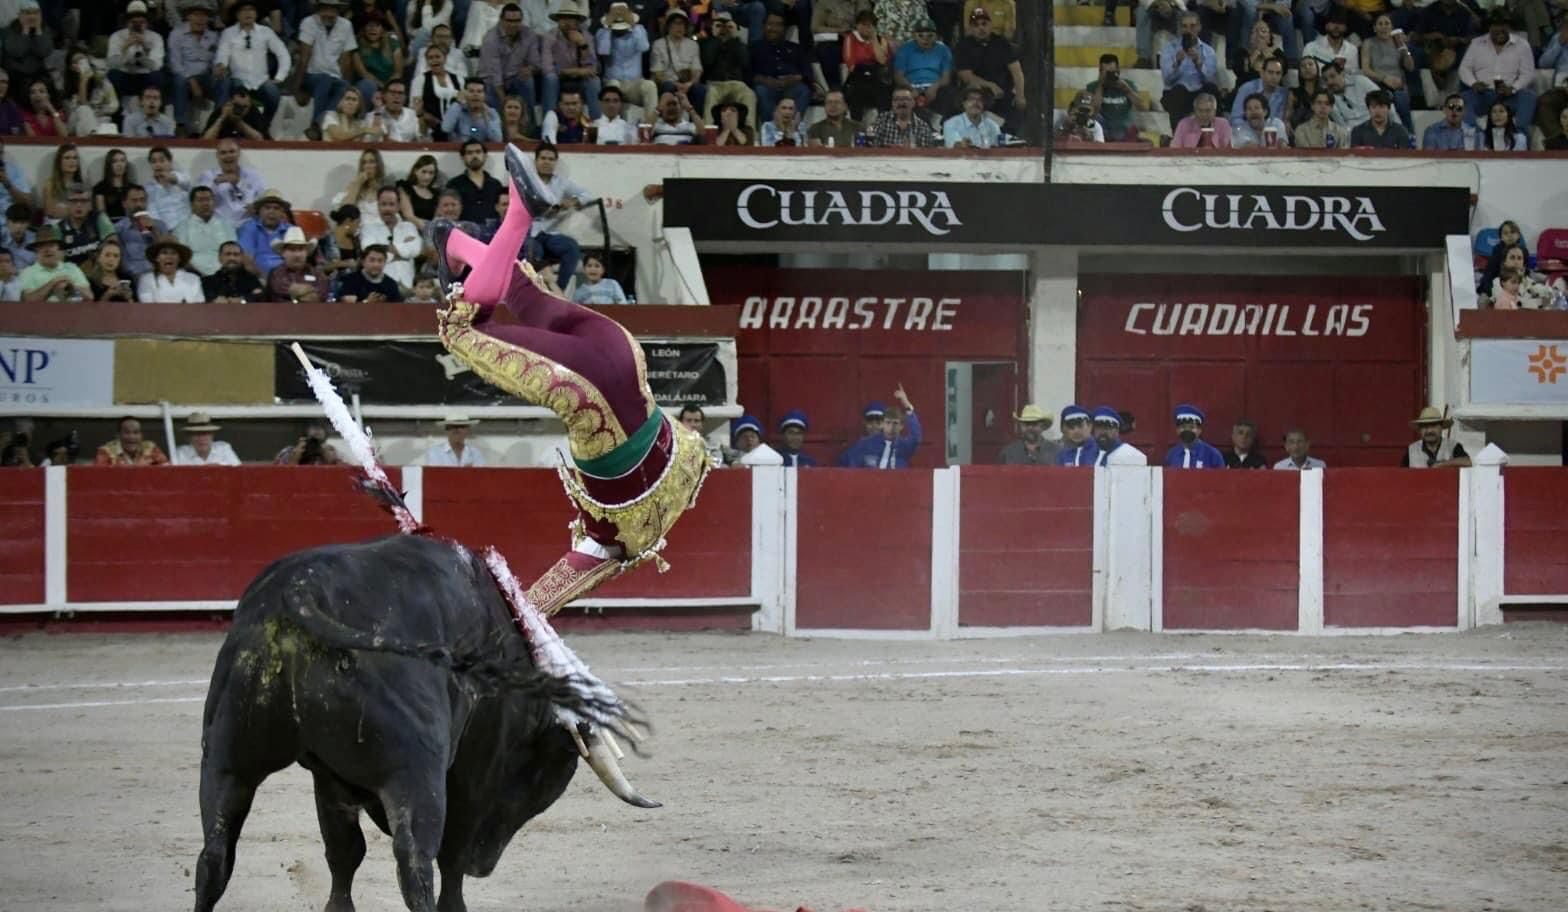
(1351, 321)
(1188, 209)
(764, 206)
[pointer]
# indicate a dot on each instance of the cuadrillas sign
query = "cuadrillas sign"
(936, 214)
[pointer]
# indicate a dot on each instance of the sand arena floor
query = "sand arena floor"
(1105, 773)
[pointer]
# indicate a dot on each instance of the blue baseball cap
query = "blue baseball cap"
(1074, 412)
(873, 409)
(1187, 412)
(745, 423)
(793, 418)
(1107, 415)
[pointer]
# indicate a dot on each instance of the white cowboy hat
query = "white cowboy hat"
(294, 237)
(200, 423)
(458, 420)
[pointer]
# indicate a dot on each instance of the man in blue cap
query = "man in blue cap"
(1078, 447)
(890, 448)
(1107, 433)
(793, 428)
(745, 436)
(1192, 452)
(870, 426)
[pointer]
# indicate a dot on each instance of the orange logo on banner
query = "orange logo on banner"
(1547, 363)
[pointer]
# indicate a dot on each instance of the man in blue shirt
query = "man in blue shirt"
(793, 427)
(14, 187)
(256, 234)
(1451, 134)
(473, 119)
(924, 65)
(1107, 433)
(779, 69)
(890, 449)
(1078, 448)
(970, 127)
(1192, 452)
(1549, 107)
(1269, 86)
(1190, 69)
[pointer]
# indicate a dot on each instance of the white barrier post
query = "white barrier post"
(1309, 588)
(413, 478)
(944, 553)
(1131, 511)
(1482, 549)
(54, 538)
(772, 539)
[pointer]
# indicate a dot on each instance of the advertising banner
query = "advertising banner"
(945, 214)
(42, 371)
(1519, 372)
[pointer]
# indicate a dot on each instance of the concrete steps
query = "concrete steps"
(1071, 14)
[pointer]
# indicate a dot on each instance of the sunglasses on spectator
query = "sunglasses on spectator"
(1455, 107)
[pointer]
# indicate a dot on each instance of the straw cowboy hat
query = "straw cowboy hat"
(458, 420)
(1033, 415)
(620, 18)
(570, 9)
(200, 423)
(1431, 415)
(270, 196)
(293, 237)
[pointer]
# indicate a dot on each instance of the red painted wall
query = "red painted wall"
(1390, 547)
(1232, 550)
(789, 360)
(524, 512)
(1535, 552)
(1026, 547)
(22, 544)
(193, 534)
(864, 552)
(1353, 393)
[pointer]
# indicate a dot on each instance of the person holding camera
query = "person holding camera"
(135, 54)
(1078, 121)
(1114, 100)
(1190, 68)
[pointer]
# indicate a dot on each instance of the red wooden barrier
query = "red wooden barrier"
(1026, 547)
(864, 549)
(22, 543)
(1390, 547)
(1535, 553)
(194, 534)
(1232, 550)
(524, 513)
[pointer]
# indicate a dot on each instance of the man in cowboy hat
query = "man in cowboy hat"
(51, 277)
(623, 42)
(169, 282)
(1435, 449)
(1191, 451)
(568, 58)
(295, 279)
(260, 233)
(135, 54)
(191, 49)
(202, 449)
(793, 429)
(1031, 447)
(456, 451)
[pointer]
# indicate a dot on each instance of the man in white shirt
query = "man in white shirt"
(242, 60)
(1297, 446)
(679, 124)
(390, 230)
(1350, 92)
(551, 196)
(204, 232)
(135, 54)
(611, 129)
(456, 451)
(397, 118)
(168, 193)
(202, 450)
(234, 186)
(324, 38)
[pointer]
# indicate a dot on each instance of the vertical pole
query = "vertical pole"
(55, 593)
(944, 552)
(1309, 589)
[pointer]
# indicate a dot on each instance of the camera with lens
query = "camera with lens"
(1188, 42)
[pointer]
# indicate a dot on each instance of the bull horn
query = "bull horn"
(604, 765)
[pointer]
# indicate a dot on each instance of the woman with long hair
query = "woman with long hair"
(438, 90)
(1500, 133)
(1298, 107)
(1509, 237)
(41, 112)
(109, 193)
(1386, 61)
(418, 193)
(107, 275)
(339, 248)
(349, 122)
(90, 96)
(732, 126)
(514, 120)
(368, 179)
(1262, 46)
(64, 173)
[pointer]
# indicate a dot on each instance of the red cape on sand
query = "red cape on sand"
(679, 896)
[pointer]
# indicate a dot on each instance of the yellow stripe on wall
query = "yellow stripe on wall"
(209, 373)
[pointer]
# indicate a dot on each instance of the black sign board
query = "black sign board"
(423, 373)
(937, 214)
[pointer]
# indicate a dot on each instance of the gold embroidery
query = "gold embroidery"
(642, 522)
(563, 583)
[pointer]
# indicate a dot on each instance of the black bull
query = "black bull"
(392, 671)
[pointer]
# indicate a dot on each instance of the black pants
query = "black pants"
(865, 90)
(1177, 101)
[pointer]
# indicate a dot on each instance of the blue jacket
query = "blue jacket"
(866, 453)
(796, 458)
(1082, 455)
(1204, 456)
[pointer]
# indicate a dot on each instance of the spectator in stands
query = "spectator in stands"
(623, 42)
(418, 193)
(891, 448)
(611, 129)
(1500, 133)
(972, 129)
(295, 279)
(779, 70)
(567, 123)
(1152, 15)
(192, 48)
(472, 121)
(726, 62)
(1446, 30)
(129, 449)
(595, 288)
(456, 450)
(19, 234)
(202, 450)
(1270, 85)
(107, 276)
(14, 186)
(1031, 447)
(1320, 131)
(1078, 123)
(1434, 449)
(259, 235)
(1202, 129)
(1002, 13)
(296, 117)
(395, 118)
(169, 281)
(478, 189)
(449, 205)
(1308, 81)
(679, 124)
(900, 128)
(51, 277)
(785, 128)
(350, 122)
(676, 61)
(1189, 68)
(135, 55)
(792, 428)
(509, 57)
(138, 231)
(26, 46)
(109, 193)
(481, 18)
(1275, 16)
(339, 249)
(569, 195)
(1077, 448)
(515, 126)
(148, 119)
(231, 282)
(990, 62)
(866, 57)
(93, 101)
(436, 92)
(1380, 131)
(1114, 100)
(65, 173)
(1528, 289)
(1505, 295)
(400, 238)
(831, 21)
(1560, 141)
(1257, 129)
(1298, 452)
(242, 61)
(1107, 423)
(1386, 60)
(378, 58)
(925, 67)
(1350, 92)
(835, 130)
(1453, 133)
(325, 39)
(1550, 106)
(425, 290)
(567, 58)
(1333, 47)
(10, 279)
(1509, 238)
(204, 232)
(1192, 451)
(311, 449)
(1499, 67)
(732, 126)
(369, 177)
(746, 437)
(83, 227)
(11, 122)
(1244, 453)
(370, 283)
(237, 118)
